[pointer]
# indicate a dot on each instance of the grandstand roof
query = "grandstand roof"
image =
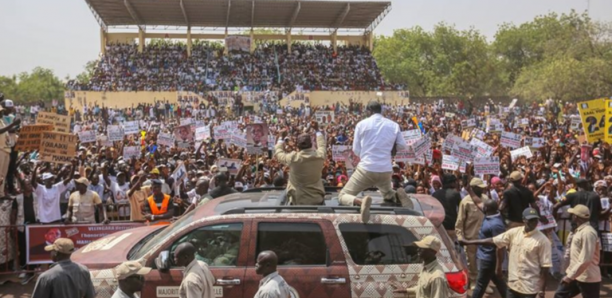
(240, 13)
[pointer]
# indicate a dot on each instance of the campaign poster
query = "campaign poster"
(115, 133)
(183, 133)
(257, 137)
(232, 165)
(165, 139)
(608, 120)
(87, 136)
(592, 114)
(39, 236)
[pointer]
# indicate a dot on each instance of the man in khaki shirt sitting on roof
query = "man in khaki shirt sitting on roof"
(432, 281)
(582, 274)
(530, 256)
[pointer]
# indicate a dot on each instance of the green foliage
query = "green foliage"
(85, 76)
(564, 56)
(40, 84)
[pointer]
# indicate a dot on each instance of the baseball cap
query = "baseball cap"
(129, 268)
(61, 245)
(82, 180)
(429, 242)
(516, 176)
(581, 211)
(46, 176)
(154, 171)
(530, 213)
(8, 103)
(477, 182)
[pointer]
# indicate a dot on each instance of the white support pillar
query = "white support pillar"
(252, 40)
(103, 41)
(141, 40)
(288, 32)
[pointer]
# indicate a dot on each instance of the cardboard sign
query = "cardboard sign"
(87, 136)
(58, 147)
(232, 165)
(183, 133)
(131, 127)
(592, 114)
(30, 137)
(482, 149)
(115, 133)
(202, 133)
(523, 151)
(131, 151)
(421, 146)
(165, 139)
(463, 151)
(486, 166)
(510, 140)
(450, 162)
(39, 236)
(61, 123)
(534, 142)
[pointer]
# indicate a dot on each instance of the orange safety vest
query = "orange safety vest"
(162, 211)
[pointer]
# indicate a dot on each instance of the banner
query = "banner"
(87, 136)
(115, 133)
(30, 136)
(486, 166)
(61, 123)
(165, 139)
(202, 133)
(39, 236)
(58, 147)
(238, 43)
(341, 153)
(131, 151)
(232, 165)
(131, 127)
(510, 140)
(450, 162)
(592, 114)
(523, 151)
(608, 120)
(183, 133)
(324, 117)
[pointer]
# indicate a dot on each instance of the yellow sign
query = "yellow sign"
(592, 114)
(58, 147)
(61, 123)
(608, 120)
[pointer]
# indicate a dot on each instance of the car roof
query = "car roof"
(273, 200)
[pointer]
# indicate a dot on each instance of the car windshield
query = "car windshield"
(147, 243)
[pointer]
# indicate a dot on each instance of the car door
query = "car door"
(221, 245)
(310, 257)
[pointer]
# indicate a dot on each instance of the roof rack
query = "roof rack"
(323, 209)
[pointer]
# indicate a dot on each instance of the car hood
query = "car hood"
(111, 250)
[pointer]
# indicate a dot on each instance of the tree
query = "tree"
(40, 84)
(87, 74)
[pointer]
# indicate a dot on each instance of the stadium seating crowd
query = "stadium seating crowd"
(167, 67)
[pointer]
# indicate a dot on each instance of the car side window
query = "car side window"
(216, 245)
(295, 244)
(379, 244)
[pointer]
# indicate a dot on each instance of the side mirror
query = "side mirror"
(162, 262)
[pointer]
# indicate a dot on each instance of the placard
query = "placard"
(257, 137)
(30, 136)
(482, 149)
(187, 121)
(576, 122)
(524, 122)
(606, 242)
(61, 123)
(510, 140)
(115, 133)
(463, 151)
(450, 141)
(58, 147)
(592, 114)
(39, 236)
(131, 151)
(87, 136)
(165, 139)
(608, 120)
(486, 166)
(239, 139)
(324, 117)
(534, 142)
(411, 136)
(232, 165)
(468, 123)
(450, 162)
(421, 146)
(221, 132)
(202, 133)
(523, 151)
(341, 153)
(131, 127)
(179, 173)
(183, 133)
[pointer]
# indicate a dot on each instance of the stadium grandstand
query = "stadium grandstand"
(236, 45)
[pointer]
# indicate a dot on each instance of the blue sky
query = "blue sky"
(63, 34)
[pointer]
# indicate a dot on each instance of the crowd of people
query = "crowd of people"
(558, 175)
(270, 67)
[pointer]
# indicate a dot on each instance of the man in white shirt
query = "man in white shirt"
(48, 196)
(374, 140)
(272, 285)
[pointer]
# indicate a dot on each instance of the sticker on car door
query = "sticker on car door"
(174, 291)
